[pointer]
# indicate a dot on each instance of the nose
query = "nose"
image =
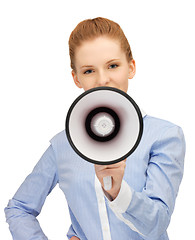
(103, 79)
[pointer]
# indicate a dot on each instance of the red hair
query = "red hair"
(90, 29)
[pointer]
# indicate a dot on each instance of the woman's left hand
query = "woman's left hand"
(116, 171)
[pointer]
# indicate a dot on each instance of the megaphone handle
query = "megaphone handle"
(107, 183)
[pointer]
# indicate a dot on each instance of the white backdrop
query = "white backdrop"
(36, 87)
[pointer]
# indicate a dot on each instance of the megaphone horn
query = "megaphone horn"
(104, 125)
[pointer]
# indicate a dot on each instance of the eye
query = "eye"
(113, 66)
(88, 71)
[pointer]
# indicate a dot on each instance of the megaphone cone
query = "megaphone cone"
(104, 125)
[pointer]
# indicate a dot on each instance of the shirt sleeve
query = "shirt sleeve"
(149, 212)
(27, 203)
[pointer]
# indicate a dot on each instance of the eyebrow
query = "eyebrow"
(86, 66)
(112, 60)
(90, 66)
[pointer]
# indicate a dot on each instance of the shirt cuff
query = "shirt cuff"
(122, 201)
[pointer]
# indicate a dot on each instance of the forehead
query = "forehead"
(99, 49)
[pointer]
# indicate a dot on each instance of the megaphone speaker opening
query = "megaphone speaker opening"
(104, 125)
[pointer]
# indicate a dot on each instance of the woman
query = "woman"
(144, 186)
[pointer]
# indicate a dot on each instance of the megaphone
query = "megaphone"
(104, 125)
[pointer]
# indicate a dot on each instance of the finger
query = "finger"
(115, 165)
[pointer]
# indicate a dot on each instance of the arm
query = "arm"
(149, 212)
(27, 203)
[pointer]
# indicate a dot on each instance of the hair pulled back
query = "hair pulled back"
(92, 28)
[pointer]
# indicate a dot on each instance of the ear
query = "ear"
(132, 69)
(76, 80)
